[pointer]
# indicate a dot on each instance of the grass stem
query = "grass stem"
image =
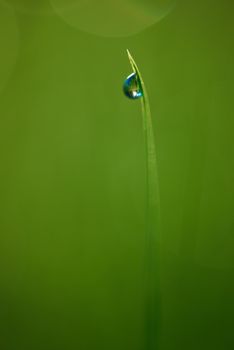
(153, 226)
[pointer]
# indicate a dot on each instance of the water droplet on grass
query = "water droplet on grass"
(132, 87)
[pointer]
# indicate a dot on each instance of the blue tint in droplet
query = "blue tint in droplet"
(132, 88)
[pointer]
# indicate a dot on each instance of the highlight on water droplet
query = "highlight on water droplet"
(112, 18)
(132, 87)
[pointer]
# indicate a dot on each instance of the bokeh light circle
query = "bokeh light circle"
(112, 18)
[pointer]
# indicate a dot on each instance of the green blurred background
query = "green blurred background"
(72, 180)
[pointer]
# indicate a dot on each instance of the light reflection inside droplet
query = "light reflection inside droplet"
(132, 88)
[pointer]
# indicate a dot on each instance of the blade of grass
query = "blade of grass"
(153, 226)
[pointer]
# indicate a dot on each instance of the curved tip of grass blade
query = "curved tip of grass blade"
(145, 100)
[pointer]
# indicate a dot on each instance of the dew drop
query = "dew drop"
(132, 87)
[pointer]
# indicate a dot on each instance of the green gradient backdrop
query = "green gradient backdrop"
(72, 181)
